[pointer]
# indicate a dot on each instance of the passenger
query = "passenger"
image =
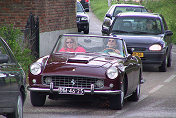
(111, 47)
(70, 45)
(149, 25)
(151, 28)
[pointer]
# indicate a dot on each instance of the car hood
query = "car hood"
(68, 62)
(142, 40)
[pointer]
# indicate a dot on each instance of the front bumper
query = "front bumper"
(82, 26)
(92, 91)
(154, 58)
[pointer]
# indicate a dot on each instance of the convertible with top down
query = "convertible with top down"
(88, 71)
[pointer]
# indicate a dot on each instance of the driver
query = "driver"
(111, 47)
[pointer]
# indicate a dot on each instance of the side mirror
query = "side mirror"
(129, 56)
(109, 16)
(130, 51)
(86, 10)
(168, 33)
(4, 58)
(107, 22)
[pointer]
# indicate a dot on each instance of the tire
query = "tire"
(169, 60)
(18, 113)
(79, 30)
(163, 67)
(117, 101)
(86, 31)
(136, 94)
(37, 99)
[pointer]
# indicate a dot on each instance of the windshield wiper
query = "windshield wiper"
(139, 32)
(119, 31)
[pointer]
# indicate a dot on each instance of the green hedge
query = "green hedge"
(167, 9)
(13, 37)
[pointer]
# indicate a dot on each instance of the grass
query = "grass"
(168, 10)
(165, 7)
(99, 7)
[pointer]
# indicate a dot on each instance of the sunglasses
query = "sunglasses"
(69, 42)
(111, 40)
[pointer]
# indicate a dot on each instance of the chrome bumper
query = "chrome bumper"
(91, 91)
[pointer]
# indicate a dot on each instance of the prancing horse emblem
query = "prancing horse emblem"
(73, 82)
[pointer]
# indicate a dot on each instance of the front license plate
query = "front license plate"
(70, 90)
(139, 54)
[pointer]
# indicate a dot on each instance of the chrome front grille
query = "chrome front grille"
(72, 81)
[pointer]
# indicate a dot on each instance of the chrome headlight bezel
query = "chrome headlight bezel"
(112, 72)
(35, 68)
(155, 47)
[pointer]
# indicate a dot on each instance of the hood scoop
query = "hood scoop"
(80, 59)
(77, 61)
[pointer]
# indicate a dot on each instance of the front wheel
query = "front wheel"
(37, 99)
(163, 67)
(86, 31)
(18, 113)
(136, 94)
(169, 60)
(117, 101)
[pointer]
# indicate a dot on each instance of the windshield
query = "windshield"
(120, 9)
(79, 7)
(137, 25)
(87, 44)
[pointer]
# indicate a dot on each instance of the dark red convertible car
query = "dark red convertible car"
(85, 66)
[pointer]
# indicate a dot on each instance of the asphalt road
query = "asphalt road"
(158, 97)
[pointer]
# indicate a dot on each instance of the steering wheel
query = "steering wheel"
(114, 50)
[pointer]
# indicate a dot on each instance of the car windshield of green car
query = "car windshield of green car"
(137, 25)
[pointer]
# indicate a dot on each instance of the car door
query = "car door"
(10, 72)
(132, 71)
(167, 38)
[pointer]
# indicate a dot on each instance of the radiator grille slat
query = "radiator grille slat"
(72, 81)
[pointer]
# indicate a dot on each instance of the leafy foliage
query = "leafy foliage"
(99, 7)
(167, 9)
(13, 37)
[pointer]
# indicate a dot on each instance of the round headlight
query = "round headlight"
(35, 68)
(112, 72)
(155, 47)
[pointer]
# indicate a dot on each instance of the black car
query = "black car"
(12, 84)
(119, 8)
(85, 4)
(82, 19)
(147, 34)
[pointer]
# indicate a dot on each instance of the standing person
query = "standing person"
(70, 45)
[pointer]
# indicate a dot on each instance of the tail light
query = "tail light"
(87, 0)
